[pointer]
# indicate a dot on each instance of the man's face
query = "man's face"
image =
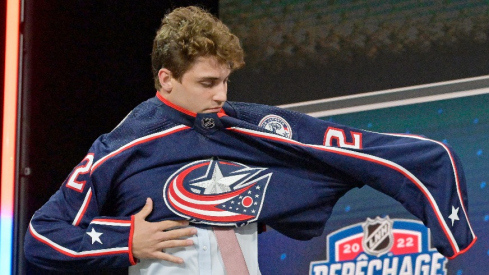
(203, 88)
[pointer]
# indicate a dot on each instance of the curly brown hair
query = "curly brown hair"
(188, 33)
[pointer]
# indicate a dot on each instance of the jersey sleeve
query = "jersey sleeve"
(424, 175)
(68, 233)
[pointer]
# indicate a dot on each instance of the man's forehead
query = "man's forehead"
(209, 67)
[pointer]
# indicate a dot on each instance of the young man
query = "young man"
(188, 156)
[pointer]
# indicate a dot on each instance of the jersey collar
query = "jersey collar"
(183, 115)
(183, 110)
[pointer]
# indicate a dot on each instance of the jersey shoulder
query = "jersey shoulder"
(273, 119)
(255, 113)
(145, 119)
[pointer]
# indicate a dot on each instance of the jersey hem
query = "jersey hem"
(464, 250)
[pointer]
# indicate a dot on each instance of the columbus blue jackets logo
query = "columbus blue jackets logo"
(217, 192)
(380, 246)
(277, 125)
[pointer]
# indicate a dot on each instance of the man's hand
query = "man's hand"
(151, 238)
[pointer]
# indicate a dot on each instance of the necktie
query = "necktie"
(231, 253)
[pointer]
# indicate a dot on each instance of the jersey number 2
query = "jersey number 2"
(80, 170)
(340, 137)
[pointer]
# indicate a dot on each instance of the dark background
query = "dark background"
(87, 64)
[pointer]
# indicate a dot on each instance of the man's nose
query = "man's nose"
(220, 94)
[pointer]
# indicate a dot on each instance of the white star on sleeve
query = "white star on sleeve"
(95, 236)
(454, 215)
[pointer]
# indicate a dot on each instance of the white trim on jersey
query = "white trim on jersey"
(110, 222)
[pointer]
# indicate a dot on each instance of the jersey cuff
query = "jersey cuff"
(132, 260)
(464, 250)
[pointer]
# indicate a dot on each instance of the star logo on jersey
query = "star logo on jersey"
(217, 192)
(218, 183)
(95, 236)
(454, 215)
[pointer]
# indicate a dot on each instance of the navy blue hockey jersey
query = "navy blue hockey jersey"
(248, 163)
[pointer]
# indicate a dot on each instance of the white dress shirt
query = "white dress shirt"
(204, 257)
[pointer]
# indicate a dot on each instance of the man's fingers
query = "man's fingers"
(170, 225)
(161, 254)
(150, 239)
(175, 243)
(177, 233)
(146, 210)
(168, 257)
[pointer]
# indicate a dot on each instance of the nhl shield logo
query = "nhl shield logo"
(217, 192)
(208, 123)
(377, 236)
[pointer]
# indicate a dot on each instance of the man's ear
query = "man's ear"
(165, 76)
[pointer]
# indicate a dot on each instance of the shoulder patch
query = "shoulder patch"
(277, 125)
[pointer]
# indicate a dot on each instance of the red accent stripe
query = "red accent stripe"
(440, 219)
(84, 208)
(221, 113)
(210, 198)
(129, 245)
(229, 163)
(207, 207)
(176, 107)
(231, 219)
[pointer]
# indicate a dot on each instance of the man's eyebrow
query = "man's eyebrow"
(213, 78)
(208, 78)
